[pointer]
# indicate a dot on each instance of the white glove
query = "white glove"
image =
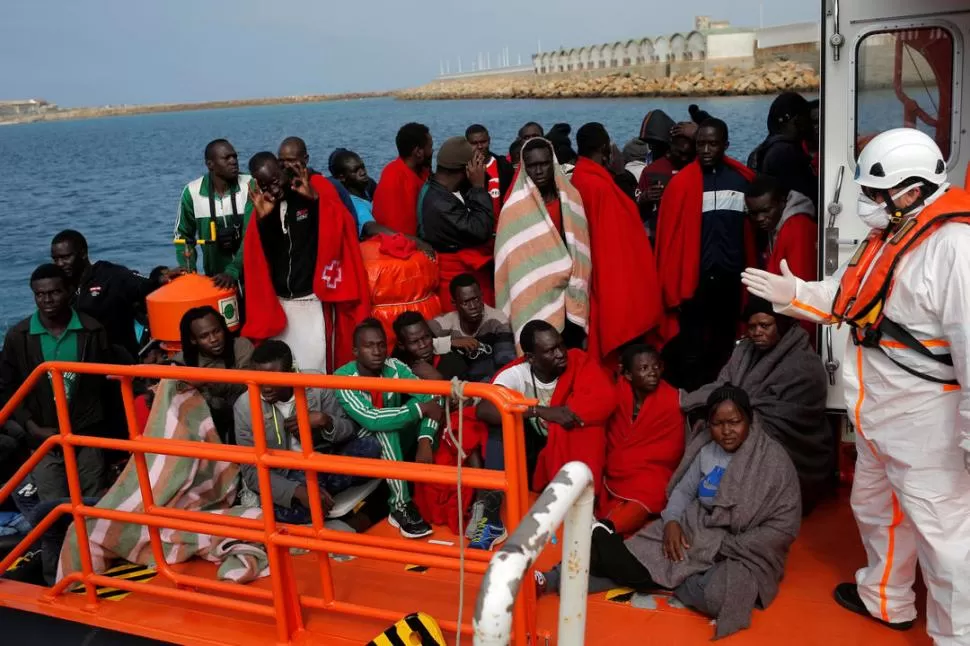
(779, 290)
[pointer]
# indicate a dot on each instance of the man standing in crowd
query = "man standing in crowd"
(108, 293)
(293, 155)
(667, 162)
(56, 332)
(213, 213)
(704, 241)
(788, 219)
(531, 130)
(624, 293)
(499, 171)
(783, 153)
(398, 423)
(304, 276)
(396, 197)
(458, 220)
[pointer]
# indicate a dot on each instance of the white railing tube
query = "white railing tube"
(569, 498)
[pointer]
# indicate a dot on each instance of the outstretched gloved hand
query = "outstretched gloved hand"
(779, 290)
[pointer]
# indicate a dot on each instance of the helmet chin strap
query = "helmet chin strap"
(898, 214)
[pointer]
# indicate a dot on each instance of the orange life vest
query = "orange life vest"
(868, 280)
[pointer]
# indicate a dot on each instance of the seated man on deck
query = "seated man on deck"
(396, 198)
(330, 429)
(723, 540)
(644, 442)
(304, 275)
(785, 378)
(575, 399)
(399, 422)
(474, 328)
(208, 343)
(56, 332)
(455, 217)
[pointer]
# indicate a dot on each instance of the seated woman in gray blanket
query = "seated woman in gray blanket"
(733, 511)
(784, 377)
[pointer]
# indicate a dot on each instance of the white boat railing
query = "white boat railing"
(567, 501)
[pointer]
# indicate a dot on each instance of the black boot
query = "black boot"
(847, 596)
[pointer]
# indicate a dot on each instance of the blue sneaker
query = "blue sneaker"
(487, 535)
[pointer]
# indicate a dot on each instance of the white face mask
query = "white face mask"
(875, 215)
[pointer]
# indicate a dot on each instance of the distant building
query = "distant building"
(10, 109)
(711, 44)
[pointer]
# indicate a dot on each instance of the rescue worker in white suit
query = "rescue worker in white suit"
(906, 296)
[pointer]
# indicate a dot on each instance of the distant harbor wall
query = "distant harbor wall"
(721, 81)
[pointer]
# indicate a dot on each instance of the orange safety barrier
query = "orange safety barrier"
(285, 603)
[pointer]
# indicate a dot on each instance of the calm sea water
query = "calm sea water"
(118, 180)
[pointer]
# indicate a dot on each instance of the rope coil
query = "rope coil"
(458, 394)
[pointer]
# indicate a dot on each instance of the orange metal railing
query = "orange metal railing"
(282, 602)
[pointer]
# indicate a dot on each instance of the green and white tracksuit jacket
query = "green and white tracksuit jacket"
(397, 423)
(194, 223)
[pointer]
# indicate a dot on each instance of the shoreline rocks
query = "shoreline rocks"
(720, 81)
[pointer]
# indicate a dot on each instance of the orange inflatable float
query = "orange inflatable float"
(168, 303)
(401, 279)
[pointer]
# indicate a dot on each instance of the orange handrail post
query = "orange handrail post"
(283, 603)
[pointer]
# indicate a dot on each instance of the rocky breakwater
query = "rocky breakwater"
(726, 81)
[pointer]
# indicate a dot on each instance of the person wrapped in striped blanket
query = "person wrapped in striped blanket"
(542, 251)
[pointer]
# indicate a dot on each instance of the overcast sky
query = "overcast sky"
(93, 52)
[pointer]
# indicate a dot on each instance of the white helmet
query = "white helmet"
(894, 156)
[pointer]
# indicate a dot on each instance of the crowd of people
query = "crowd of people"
(604, 283)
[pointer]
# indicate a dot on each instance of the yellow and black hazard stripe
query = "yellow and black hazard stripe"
(403, 633)
(128, 572)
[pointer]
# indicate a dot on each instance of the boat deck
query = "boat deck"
(826, 553)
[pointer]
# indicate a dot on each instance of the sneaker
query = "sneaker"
(487, 535)
(28, 569)
(408, 521)
(847, 596)
(478, 512)
(541, 582)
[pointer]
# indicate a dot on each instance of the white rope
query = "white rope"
(458, 392)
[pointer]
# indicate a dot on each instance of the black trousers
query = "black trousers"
(708, 332)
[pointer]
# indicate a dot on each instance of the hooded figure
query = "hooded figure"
(782, 154)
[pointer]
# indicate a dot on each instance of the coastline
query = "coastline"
(67, 114)
(773, 78)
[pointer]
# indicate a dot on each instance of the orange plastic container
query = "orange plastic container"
(167, 305)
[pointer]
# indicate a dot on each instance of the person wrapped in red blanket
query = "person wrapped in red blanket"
(704, 241)
(396, 196)
(644, 442)
(576, 397)
(304, 276)
(624, 292)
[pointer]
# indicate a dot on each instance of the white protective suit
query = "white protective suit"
(911, 492)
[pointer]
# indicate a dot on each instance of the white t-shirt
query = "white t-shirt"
(521, 379)
(283, 411)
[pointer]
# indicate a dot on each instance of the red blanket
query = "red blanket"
(796, 242)
(625, 294)
(438, 504)
(587, 390)
(641, 455)
(396, 197)
(339, 279)
(679, 239)
(476, 261)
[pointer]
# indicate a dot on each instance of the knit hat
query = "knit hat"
(784, 108)
(455, 154)
(635, 150)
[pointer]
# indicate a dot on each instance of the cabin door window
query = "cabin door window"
(904, 78)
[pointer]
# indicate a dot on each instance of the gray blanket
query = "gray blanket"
(787, 387)
(743, 540)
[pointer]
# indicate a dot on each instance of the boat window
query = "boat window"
(904, 78)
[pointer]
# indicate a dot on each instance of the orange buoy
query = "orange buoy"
(168, 303)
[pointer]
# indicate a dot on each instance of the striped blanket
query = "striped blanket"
(538, 275)
(181, 483)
